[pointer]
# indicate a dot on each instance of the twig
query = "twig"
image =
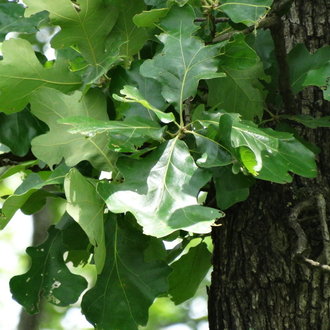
(294, 224)
(316, 264)
(324, 226)
(216, 20)
(302, 248)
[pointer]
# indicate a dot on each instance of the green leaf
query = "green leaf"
(17, 131)
(75, 241)
(230, 188)
(305, 67)
(132, 95)
(86, 207)
(21, 167)
(161, 191)
(244, 88)
(132, 37)
(29, 186)
(150, 89)
(274, 153)
(21, 74)
(130, 133)
(188, 272)
(212, 153)
(85, 25)
(49, 106)
(245, 11)
(48, 277)
(11, 18)
(310, 121)
(184, 60)
(320, 77)
(128, 284)
(150, 17)
(237, 54)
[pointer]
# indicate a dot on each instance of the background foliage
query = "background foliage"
(151, 119)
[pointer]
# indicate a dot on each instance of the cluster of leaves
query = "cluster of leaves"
(140, 93)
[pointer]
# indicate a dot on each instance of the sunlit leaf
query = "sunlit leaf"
(275, 153)
(123, 135)
(132, 95)
(49, 106)
(21, 74)
(161, 191)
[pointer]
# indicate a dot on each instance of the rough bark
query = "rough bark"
(258, 282)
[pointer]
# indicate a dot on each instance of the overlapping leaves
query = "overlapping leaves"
(31, 185)
(48, 276)
(184, 60)
(85, 24)
(86, 207)
(50, 106)
(128, 284)
(21, 74)
(124, 136)
(161, 191)
(267, 154)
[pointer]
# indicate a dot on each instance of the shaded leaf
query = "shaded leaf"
(161, 191)
(230, 188)
(30, 185)
(305, 67)
(86, 207)
(49, 106)
(12, 19)
(310, 121)
(320, 77)
(48, 277)
(188, 272)
(21, 74)
(212, 153)
(244, 88)
(75, 241)
(128, 284)
(17, 131)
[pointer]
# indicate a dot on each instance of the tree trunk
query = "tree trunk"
(258, 281)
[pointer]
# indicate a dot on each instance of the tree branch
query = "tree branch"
(324, 226)
(302, 248)
(277, 32)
